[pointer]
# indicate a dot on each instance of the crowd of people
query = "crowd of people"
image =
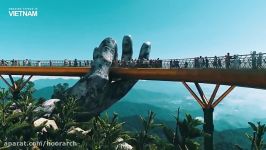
(254, 61)
(155, 63)
(38, 63)
(77, 63)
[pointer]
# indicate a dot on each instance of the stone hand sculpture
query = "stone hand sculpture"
(96, 91)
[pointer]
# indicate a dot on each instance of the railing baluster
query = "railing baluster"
(250, 61)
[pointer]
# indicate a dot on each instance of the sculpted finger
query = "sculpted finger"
(90, 89)
(121, 88)
(103, 57)
(127, 48)
(145, 50)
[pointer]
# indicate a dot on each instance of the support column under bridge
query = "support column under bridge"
(208, 106)
(16, 86)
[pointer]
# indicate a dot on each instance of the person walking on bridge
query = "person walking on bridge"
(215, 62)
(177, 64)
(171, 63)
(75, 63)
(259, 64)
(39, 63)
(206, 62)
(2, 62)
(50, 63)
(219, 63)
(254, 60)
(23, 63)
(201, 62)
(13, 62)
(65, 62)
(227, 61)
(29, 62)
(186, 64)
(196, 62)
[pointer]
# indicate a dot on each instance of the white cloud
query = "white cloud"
(200, 118)
(243, 104)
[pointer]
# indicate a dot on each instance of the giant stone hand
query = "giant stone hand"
(96, 91)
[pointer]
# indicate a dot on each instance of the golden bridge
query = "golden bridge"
(237, 70)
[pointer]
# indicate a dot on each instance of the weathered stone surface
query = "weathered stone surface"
(123, 145)
(75, 130)
(47, 107)
(96, 91)
(48, 123)
(50, 103)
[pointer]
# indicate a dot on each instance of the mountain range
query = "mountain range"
(166, 97)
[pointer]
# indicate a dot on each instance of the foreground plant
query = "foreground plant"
(182, 137)
(257, 137)
(144, 139)
(16, 117)
(25, 119)
(107, 133)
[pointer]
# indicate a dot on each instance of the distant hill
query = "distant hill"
(43, 83)
(44, 92)
(224, 140)
(171, 95)
(128, 109)
(162, 100)
(227, 139)
(125, 109)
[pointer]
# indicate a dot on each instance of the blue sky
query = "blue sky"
(176, 28)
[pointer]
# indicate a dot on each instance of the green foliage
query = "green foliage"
(257, 137)
(27, 90)
(182, 137)
(144, 139)
(21, 89)
(64, 119)
(106, 132)
(65, 110)
(59, 91)
(17, 118)
(101, 132)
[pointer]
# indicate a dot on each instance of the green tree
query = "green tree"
(63, 115)
(257, 137)
(27, 90)
(105, 133)
(59, 91)
(21, 88)
(144, 139)
(17, 118)
(184, 134)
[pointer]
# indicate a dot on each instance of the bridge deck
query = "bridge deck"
(245, 78)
